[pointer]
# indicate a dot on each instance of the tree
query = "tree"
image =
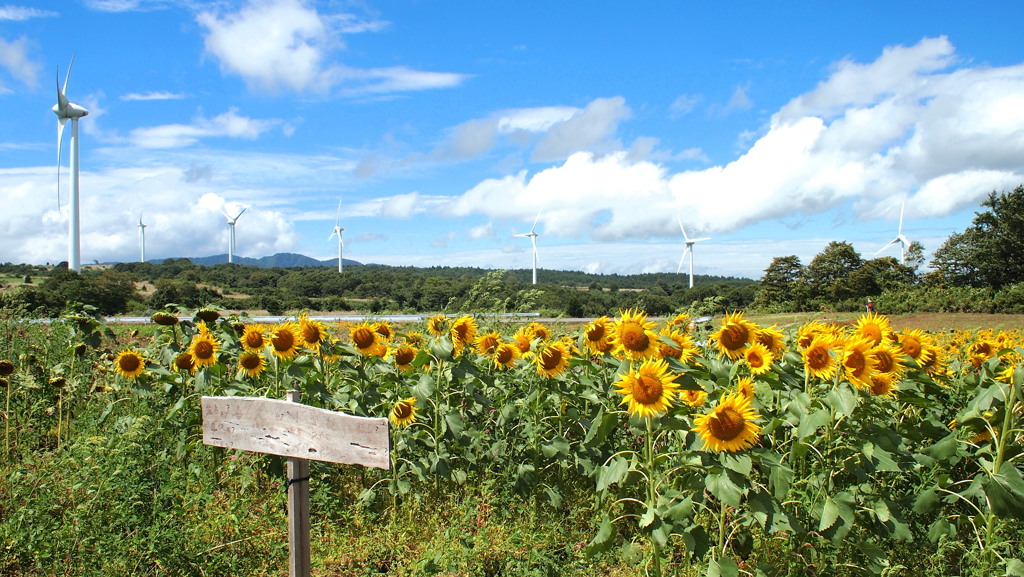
(989, 253)
(779, 282)
(830, 270)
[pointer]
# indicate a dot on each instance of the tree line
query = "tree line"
(978, 270)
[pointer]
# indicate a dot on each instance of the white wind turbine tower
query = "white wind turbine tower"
(533, 240)
(142, 240)
(68, 110)
(337, 232)
(689, 249)
(900, 239)
(231, 234)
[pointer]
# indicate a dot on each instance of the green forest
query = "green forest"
(980, 269)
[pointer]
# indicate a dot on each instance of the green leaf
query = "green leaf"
(424, 389)
(829, 515)
(724, 567)
(723, 488)
(939, 528)
(1005, 492)
(737, 462)
(926, 501)
(842, 400)
(1014, 568)
(612, 473)
(556, 446)
(944, 448)
(604, 539)
(810, 424)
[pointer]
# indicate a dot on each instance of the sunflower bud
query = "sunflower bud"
(58, 383)
(6, 368)
(208, 315)
(164, 319)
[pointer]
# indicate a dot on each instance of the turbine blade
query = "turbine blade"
(693, 240)
(338, 222)
(62, 100)
(64, 92)
(686, 238)
(682, 259)
(60, 140)
(240, 214)
(535, 219)
(899, 232)
(892, 242)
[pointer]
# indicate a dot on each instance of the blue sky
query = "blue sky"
(444, 128)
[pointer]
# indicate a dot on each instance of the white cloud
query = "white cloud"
(869, 136)
(152, 95)
(588, 129)
(683, 105)
(275, 44)
(482, 231)
(15, 59)
(22, 13)
(228, 124)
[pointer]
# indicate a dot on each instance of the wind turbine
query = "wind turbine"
(900, 239)
(66, 110)
(337, 232)
(689, 249)
(142, 240)
(231, 234)
(533, 239)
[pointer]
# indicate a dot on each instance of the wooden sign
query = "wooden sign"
(295, 430)
(301, 433)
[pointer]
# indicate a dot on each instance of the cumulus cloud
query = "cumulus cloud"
(15, 59)
(229, 124)
(152, 95)
(295, 43)
(907, 127)
(22, 13)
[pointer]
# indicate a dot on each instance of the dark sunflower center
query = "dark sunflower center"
(754, 359)
(250, 362)
(184, 361)
(363, 338)
(727, 424)
(404, 356)
(647, 390)
(6, 368)
(311, 334)
(254, 340)
(488, 344)
(503, 355)
(734, 337)
(912, 348)
(403, 410)
(817, 358)
(595, 333)
(855, 361)
(130, 363)
(884, 362)
(204, 350)
(550, 358)
(634, 338)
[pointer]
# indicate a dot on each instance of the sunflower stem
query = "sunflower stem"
(997, 463)
(652, 492)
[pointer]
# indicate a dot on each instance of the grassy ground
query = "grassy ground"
(935, 322)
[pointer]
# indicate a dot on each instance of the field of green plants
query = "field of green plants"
(624, 447)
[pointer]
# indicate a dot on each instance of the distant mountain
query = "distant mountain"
(279, 260)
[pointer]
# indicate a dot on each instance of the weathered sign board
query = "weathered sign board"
(295, 430)
(301, 433)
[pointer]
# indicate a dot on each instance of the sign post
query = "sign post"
(301, 433)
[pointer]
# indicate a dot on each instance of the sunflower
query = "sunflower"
(683, 349)
(818, 360)
(312, 333)
(385, 330)
(681, 322)
(890, 360)
(251, 364)
(185, 362)
(649, 389)
(129, 364)
(403, 355)
(729, 426)
(165, 319)
(414, 338)
(364, 338)
(284, 340)
(882, 385)
(487, 342)
(404, 412)
(874, 327)
(914, 342)
(505, 355)
(745, 387)
(693, 397)
(772, 339)
(633, 336)
(6, 368)
(597, 336)
(437, 325)
(734, 336)
(981, 351)
(203, 348)
(463, 333)
(523, 339)
(806, 333)
(552, 358)
(253, 339)
(858, 362)
(540, 330)
(758, 358)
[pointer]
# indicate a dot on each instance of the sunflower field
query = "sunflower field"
(628, 446)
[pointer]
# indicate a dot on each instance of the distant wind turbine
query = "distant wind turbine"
(142, 240)
(533, 239)
(231, 234)
(337, 232)
(901, 240)
(66, 110)
(689, 249)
